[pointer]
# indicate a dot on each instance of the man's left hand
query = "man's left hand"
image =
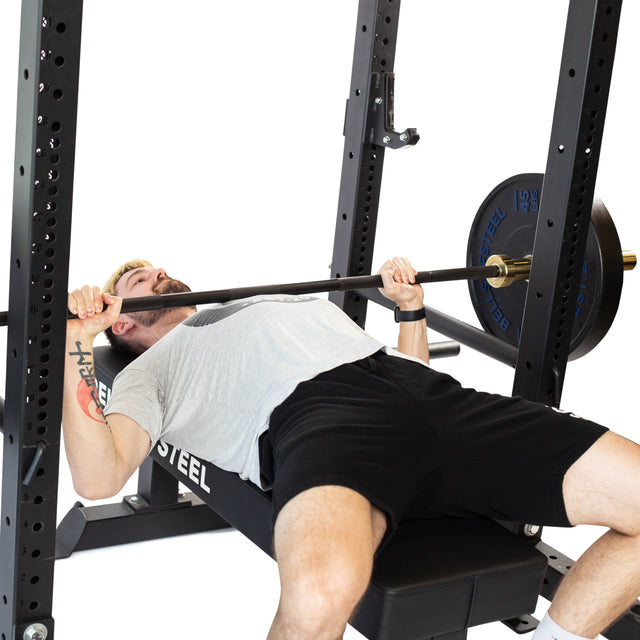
(398, 276)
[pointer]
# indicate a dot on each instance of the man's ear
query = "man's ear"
(122, 326)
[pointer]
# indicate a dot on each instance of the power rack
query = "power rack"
(43, 184)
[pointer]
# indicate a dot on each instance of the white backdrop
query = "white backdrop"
(209, 141)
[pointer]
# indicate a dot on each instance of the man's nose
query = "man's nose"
(159, 274)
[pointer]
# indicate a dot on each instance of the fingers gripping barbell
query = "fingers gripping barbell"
(604, 263)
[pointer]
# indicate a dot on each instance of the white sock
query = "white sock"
(549, 630)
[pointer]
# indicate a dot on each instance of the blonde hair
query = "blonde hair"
(118, 342)
(110, 284)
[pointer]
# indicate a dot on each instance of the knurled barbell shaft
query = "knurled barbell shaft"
(499, 271)
(149, 303)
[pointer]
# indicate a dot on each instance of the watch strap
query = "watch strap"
(409, 316)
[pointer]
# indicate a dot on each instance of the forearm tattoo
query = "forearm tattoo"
(87, 393)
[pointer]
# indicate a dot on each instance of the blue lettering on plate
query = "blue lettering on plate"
(484, 252)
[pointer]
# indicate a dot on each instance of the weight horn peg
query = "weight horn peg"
(511, 269)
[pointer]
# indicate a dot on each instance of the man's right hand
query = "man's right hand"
(88, 304)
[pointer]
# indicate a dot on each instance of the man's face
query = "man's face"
(148, 281)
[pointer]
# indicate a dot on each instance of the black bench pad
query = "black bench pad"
(442, 575)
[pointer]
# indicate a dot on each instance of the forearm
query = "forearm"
(89, 443)
(413, 341)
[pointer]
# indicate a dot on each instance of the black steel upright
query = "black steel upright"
(567, 196)
(368, 132)
(43, 187)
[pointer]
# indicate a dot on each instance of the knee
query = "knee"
(603, 486)
(319, 604)
(628, 525)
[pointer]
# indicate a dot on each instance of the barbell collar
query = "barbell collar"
(510, 270)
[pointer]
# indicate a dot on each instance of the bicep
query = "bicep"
(132, 443)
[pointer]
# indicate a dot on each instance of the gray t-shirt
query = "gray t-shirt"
(210, 385)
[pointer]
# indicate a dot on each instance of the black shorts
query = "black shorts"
(417, 444)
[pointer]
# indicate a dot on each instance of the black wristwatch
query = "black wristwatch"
(409, 316)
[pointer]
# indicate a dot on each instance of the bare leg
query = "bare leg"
(325, 539)
(602, 488)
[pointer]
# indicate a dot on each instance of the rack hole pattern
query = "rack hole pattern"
(372, 156)
(45, 173)
(586, 162)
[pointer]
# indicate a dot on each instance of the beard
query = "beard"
(164, 286)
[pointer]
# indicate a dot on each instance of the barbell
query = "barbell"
(501, 272)
(506, 221)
